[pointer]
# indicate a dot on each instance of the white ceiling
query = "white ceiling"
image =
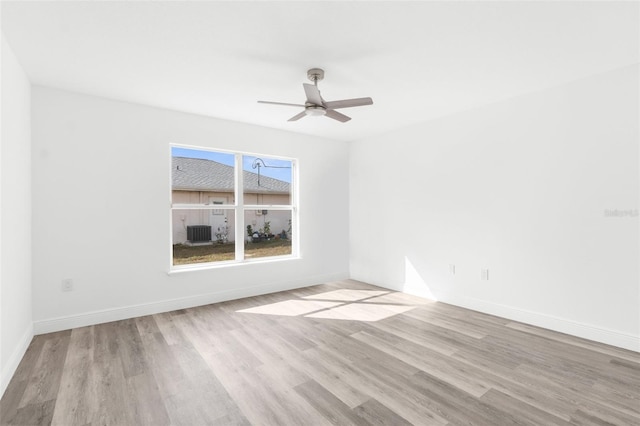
(417, 60)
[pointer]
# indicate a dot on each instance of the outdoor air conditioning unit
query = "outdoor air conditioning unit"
(198, 233)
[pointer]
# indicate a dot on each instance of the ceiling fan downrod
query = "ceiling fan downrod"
(315, 75)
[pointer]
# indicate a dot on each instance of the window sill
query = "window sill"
(229, 264)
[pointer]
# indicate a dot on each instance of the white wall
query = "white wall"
(101, 194)
(16, 328)
(519, 188)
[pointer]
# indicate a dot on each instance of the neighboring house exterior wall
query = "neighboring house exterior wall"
(183, 218)
(215, 218)
(278, 219)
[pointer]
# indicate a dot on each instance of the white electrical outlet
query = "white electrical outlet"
(452, 269)
(484, 274)
(67, 284)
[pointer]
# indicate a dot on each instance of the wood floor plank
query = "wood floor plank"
(30, 359)
(262, 402)
(162, 363)
(521, 410)
(503, 378)
(566, 339)
(34, 414)
(586, 393)
(307, 363)
(459, 406)
(183, 411)
(585, 419)
(634, 366)
(77, 399)
(447, 369)
(274, 358)
(331, 408)
(206, 394)
(10, 402)
(603, 415)
(342, 352)
(380, 381)
(378, 414)
(544, 394)
(45, 380)
(195, 395)
(455, 325)
(109, 383)
(145, 402)
(170, 332)
(448, 335)
(400, 327)
(130, 349)
(627, 396)
(335, 375)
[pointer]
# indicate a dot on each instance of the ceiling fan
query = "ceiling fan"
(315, 105)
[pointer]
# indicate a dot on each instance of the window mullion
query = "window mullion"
(239, 231)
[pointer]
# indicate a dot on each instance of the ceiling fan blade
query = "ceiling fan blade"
(280, 103)
(297, 116)
(313, 94)
(337, 116)
(348, 103)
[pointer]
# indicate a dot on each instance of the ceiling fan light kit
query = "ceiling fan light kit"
(315, 110)
(317, 106)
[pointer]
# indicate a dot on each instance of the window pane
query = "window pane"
(202, 236)
(267, 181)
(204, 209)
(202, 177)
(270, 233)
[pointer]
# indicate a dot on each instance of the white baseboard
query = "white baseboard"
(549, 322)
(562, 325)
(133, 311)
(9, 369)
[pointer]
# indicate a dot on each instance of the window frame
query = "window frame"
(238, 209)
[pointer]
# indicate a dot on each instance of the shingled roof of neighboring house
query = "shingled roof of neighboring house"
(195, 174)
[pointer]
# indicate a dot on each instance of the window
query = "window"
(230, 207)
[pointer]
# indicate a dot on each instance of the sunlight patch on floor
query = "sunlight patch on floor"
(346, 295)
(343, 304)
(361, 312)
(398, 298)
(290, 308)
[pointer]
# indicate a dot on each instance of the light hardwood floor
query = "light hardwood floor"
(340, 353)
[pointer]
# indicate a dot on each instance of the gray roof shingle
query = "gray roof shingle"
(195, 174)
